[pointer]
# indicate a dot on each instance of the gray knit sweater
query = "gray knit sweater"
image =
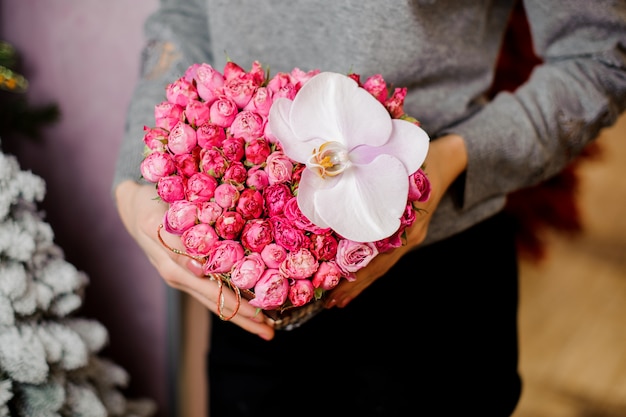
(444, 51)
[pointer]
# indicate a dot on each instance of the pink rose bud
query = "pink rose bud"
(377, 87)
(299, 264)
(210, 135)
(250, 204)
(247, 271)
(181, 92)
(273, 255)
(324, 246)
(213, 162)
(233, 70)
(256, 234)
(261, 102)
(167, 115)
(155, 138)
(222, 256)
(171, 188)
(233, 148)
(156, 166)
(257, 151)
(279, 167)
(301, 292)
(257, 178)
(287, 235)
(186, 164)
(276, 197)
(200, 187)
(395, 103)
(391, 242)
(209, 211)
(240, 89)
(352, 256)
(327, 276)
(223, 111)
(180, 216)
(182, 139)
(282, 85)
(199, 239)
(197, 113)
(229, 225)
(247, 125)
(235, 173)
(271, 291)
(300, 77)
(226, 195)
(419, 186)
(209, 82)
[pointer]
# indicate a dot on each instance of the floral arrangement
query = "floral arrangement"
(281, 186)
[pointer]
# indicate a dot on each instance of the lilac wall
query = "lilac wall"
(84, 56)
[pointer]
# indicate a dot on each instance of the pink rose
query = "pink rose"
(156, 166)
(292, 211)
(250, 204)
(395, 103)
(180, 216)
(235, 173)
(324, 246)
(167, 114)
(181, 92)
(212, 162)
(247, 271)
(229, 225)
(210, 135)
(287, 235)
(200, 187)
(199, 239)
(233, 149)
(226, 195)
(222, 256)
(240, 89)
(182, 139)
(377, 87)
(301, 292)
(327, 276)
(276, 197)
(171, 188)
(261, 102)
(257, 151)
(223, 111)
(271, 291)
(352, 256)
(391, 242)
(299, 264)
(300, 77)
(197, 113)
(273, 255)
(256, 234)
(247, 125)
(283, 85)
(209, 211)
(279, 167)
(155, 138)
(419, 186)
(209, 82)
(186, 163)
(257, 178)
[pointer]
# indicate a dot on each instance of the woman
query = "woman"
(432, 324)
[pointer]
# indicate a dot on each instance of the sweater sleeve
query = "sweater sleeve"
(176, 36)
(522, 138)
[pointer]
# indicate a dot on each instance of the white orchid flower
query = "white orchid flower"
(358, 158)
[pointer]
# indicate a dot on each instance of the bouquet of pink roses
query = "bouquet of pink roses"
(283, 186)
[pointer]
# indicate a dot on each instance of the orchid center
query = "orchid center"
(330, 159)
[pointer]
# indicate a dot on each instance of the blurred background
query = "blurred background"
(84, 57)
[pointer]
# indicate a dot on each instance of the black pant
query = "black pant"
(436, 336)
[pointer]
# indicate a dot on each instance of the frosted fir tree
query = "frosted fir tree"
(49, 362)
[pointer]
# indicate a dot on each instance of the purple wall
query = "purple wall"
(84, 56)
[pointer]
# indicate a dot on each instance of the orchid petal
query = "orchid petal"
(365, 205)
(408, 142)
(280, 126)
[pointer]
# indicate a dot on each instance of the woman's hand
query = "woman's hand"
(446, 160)
(142, 212)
